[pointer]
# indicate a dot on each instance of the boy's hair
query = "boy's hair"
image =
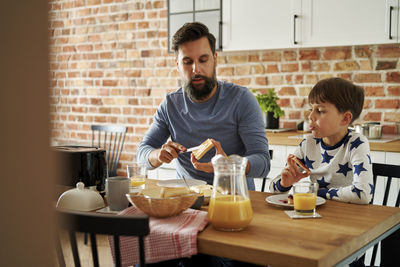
(345, 95)
(191, 32)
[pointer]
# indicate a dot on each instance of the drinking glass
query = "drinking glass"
(137, 173)
(116, 189)
(305, 198)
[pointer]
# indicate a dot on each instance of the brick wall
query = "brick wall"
(109, 65)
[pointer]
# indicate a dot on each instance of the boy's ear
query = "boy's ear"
(347, 117)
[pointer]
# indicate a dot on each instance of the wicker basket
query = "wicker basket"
(162, 207)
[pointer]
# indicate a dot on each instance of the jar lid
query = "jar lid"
(80, 199)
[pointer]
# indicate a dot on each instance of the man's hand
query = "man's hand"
(165, 154)
(291, 173)
(207, 166)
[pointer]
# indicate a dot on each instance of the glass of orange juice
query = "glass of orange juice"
(137, 172)
(229, 208)
(305, 198)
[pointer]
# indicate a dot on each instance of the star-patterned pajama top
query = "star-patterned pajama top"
(343, 171)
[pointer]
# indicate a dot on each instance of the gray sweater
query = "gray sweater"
(232, 117)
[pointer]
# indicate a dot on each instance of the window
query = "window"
(208, 12)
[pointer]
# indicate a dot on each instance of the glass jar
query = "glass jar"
(375, 131)
(230, 207)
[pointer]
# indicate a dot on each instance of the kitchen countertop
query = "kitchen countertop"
(286, 138)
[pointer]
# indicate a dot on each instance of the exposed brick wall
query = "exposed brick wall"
(109, 65)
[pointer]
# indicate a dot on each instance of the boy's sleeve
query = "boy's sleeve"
(275, 185)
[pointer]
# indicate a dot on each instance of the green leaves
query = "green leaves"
(268, 102)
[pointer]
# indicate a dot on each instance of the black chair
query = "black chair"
(87, 222)
(111, 138)
(264, 179)
(390, 245)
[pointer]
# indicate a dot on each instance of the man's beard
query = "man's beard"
(200, 92)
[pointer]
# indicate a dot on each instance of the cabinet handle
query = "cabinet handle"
(220, 35)
(390, 22)
(294, 28)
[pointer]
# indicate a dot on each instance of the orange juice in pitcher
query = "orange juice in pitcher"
(230, 212)
(230, 207)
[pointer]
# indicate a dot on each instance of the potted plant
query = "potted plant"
(270, 107)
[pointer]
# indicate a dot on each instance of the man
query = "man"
(205, 108)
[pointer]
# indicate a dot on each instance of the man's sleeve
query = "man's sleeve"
(155, 137)
(252, 133)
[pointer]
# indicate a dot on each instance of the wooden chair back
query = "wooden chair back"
(390, 173)
(111, 138)
(264, 179)
(106, 224)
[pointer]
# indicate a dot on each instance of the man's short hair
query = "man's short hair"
(345, 95)
(191, 32)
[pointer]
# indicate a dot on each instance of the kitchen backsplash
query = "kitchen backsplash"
(109, 65)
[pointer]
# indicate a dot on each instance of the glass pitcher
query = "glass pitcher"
(230, 207)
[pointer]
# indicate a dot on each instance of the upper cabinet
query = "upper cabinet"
(349, 22)
(260, 24)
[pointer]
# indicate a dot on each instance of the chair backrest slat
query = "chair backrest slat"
(120, 146)
(264, 179)
(111, 138)
(93, 245)
(60, 255)
(373, 192)
(74, 248)
(387, 190)
(141, 251)
(117, 251)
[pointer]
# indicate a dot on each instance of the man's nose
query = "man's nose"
(195, 68)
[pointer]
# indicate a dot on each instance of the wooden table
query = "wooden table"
(344, 231)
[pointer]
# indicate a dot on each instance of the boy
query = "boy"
(339, 159)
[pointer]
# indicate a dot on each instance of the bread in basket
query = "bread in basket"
(162, 201)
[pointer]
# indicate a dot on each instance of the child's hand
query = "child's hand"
(291, 173)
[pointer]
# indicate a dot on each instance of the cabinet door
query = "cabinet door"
(349, 22)
(258, 24)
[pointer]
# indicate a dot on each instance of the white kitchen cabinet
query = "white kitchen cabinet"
(348, 22)
(260, 24)
(378, 156)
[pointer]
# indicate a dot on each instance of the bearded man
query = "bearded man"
(204, 108)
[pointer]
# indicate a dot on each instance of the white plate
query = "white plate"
(180, 182)
(279, 199)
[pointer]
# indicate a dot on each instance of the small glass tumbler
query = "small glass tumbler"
(137, 173)
(305, 198)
